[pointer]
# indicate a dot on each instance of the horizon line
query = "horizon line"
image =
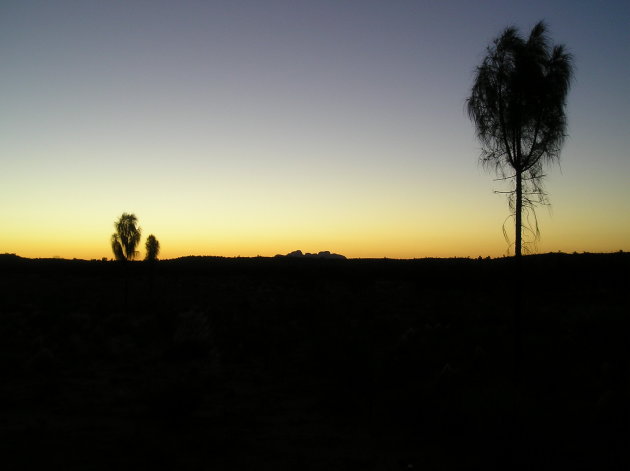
(314, 257)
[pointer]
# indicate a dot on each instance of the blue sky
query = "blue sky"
(259, 127)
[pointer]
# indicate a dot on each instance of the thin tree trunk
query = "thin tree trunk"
(518, 280)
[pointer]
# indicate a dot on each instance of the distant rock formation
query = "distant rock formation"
(325, 254)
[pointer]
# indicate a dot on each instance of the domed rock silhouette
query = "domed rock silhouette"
(324, 254)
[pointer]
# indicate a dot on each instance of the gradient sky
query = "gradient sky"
(251, 127)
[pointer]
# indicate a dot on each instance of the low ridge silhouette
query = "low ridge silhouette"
(323, 254)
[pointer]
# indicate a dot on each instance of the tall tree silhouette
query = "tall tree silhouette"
(126, 238)
(518, 107)
(152, 246)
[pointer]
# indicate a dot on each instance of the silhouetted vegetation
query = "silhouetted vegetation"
(310, 364)
(518, 107)
(152, 246)
(126, 238)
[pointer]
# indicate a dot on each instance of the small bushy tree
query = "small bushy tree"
(152, 246)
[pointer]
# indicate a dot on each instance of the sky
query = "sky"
(250, 127)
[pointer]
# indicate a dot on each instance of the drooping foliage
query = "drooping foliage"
(517, 105)
(126, 238)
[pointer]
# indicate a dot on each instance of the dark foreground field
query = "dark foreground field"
(281, 364)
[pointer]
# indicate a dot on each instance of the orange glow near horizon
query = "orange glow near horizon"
(404, 241)
(360, 217)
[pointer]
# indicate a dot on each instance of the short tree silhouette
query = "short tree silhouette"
(126, 238)
(518, 107)
(152, 246)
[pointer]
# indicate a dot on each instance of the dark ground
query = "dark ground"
(274, 364)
